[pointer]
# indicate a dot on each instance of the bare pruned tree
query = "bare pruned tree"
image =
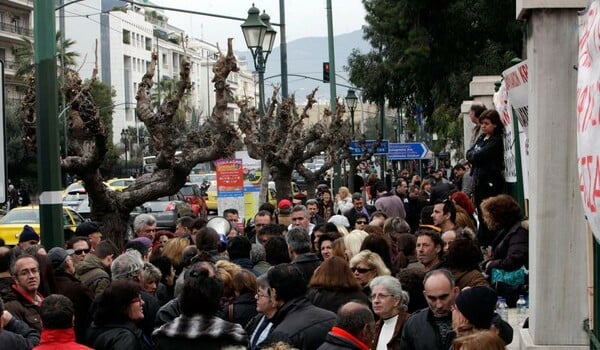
(88, 141)
(282, 139)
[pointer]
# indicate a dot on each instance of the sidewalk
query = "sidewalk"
(513, 321)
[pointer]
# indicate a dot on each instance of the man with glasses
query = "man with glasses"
(78, 247)
(22, 299)
(361, 221)
(144, 225)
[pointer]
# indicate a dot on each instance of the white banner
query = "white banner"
(516, 80)
(588, 114)
(503, 108)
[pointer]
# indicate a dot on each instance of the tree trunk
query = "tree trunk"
(115, 227)
(264, 182)
(311, 187)
(283, 182)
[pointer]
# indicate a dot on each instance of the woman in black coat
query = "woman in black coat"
(118, 310)
(487, 163)
(243, 307)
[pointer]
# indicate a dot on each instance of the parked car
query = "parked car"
(11, 225)
(166, 210)
(74, 196)
(193, 195)
(119, 184)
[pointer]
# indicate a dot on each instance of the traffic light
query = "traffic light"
(326, 72)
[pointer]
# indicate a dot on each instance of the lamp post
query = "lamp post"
(351, 100)
(125, 141)
(260, 37)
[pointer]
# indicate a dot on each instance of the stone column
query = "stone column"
(557, 248)
(467, 124)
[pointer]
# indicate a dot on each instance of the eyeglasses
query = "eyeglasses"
(380, 296)
(81, 251)
(137, 300)
(360, 269)
(360, 222)
(259, 295)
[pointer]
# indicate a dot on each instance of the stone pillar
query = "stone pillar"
(557, 248)
(465, 107)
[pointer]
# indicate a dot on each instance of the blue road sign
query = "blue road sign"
(402, 151)
(356, 149)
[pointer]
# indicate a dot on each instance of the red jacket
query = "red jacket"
(63, 339)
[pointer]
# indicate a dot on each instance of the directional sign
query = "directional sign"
(402, 151)
(356, 149)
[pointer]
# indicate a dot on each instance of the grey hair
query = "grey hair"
(127, 265)
(300, 207)
(393, 286)
(263, 282)
(298, 240)
(257, 253)
(150, 273)
(395, 225)
(141, 220)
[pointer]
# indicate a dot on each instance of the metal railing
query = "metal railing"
(13, 28)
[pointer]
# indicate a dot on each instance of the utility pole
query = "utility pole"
(332, 93)
(48, 155)
(283, 50)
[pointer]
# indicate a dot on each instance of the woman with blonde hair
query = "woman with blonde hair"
(174, 251)
(353, 241)
(365, 266)
(343, 201)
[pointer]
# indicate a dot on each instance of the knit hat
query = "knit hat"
(87, 228)
(144, 240)
(477, 304)
(28, 234)
(284, 204)
(58, 255)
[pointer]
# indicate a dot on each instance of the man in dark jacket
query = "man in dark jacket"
(68, 285)
(6, 279)
(238, 250)
(22, 299)
(16, 334)
(297, 321)
(431, 328)
(298, 242)
(93, 270)
(353, 328)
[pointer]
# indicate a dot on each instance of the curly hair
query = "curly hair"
(461, 199)
(501, 211)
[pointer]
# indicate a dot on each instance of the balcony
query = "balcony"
(14, 32)
(22, 4)
(10, 68)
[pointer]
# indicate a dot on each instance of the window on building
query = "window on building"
(126, 37)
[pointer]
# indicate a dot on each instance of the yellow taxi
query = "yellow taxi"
(119, 184)
(11, 225)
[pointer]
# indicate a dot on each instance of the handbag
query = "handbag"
(513, 278)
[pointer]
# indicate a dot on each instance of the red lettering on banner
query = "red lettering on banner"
(523, 72)
(589, 181)
(512, 80)
(585, 60)
(587, 108)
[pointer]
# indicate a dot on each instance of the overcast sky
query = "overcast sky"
(304, 18)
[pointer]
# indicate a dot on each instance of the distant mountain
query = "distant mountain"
(305, 56)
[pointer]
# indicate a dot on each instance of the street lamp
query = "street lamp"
(260, 37)
(125, 141)
(351, 100)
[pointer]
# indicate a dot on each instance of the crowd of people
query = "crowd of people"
(418, 266)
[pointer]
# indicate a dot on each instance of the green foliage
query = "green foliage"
(167, 87)
(24, 56)
(20, 162)
(426, 52)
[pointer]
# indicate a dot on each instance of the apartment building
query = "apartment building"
(127, 35)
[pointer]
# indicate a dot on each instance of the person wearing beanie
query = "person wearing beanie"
(474, 310)
(68, 285)
(28, 237)
(91, 230)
